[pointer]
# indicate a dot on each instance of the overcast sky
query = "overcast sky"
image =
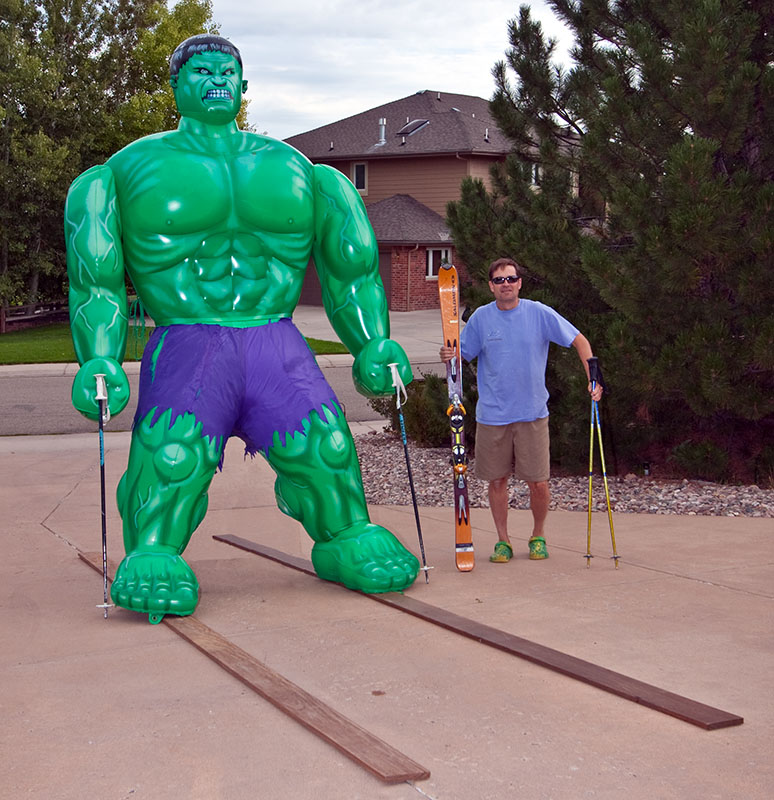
(309, 63)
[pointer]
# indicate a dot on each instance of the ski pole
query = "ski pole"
(104, 416)
(595, 375)
(591, 473)
(400, 389)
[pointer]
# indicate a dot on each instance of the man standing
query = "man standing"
(510, 337)
(215, 227)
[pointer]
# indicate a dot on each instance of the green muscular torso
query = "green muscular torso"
(216, 236)
(216, 230)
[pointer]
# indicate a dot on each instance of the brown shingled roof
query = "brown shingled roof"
(456, 123)
(401, 219)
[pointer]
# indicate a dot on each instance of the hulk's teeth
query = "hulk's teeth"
(218, 94)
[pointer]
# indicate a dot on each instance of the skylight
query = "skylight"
(413, 127)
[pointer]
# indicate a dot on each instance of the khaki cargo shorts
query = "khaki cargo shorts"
(521, 447)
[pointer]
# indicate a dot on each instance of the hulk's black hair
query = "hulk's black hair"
(201, 43)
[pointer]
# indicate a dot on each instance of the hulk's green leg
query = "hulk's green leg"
(162, 498)
(319, 484)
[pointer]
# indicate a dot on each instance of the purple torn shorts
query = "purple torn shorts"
(245, 382)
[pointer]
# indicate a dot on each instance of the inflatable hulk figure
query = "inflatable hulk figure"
(215, 227)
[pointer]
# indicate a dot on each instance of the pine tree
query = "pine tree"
(649, 224)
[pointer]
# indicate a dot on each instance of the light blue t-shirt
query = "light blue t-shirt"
(512, 350)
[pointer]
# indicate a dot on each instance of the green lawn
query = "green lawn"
(51, 344)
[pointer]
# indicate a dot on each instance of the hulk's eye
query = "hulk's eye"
(203, 71)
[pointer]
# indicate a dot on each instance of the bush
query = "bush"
(424, 411)
(704, 460)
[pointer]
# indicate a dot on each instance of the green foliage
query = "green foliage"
(80, 79)
(649, 224)
(702, 459)
(424, 411)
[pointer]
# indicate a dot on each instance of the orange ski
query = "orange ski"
(448, 290)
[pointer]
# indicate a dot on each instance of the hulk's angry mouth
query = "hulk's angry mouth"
(218, 94)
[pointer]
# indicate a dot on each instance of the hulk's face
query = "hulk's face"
(209, 88)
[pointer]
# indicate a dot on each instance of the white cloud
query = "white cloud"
(310, 63)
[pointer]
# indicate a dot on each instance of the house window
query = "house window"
(360, 177)
(435, 257)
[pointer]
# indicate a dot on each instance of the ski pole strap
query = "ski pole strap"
(102, 396)
(400, 389)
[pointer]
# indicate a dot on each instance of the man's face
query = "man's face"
(209, 88)
(506, 291)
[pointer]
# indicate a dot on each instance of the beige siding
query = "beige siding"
(431, 181)
(479, 168)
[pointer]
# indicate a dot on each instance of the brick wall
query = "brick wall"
(411, 290)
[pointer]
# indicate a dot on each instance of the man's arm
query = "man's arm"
(583, 349)
(346, 257)
(98, 305)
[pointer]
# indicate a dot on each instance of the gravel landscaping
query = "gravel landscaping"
(386, 483)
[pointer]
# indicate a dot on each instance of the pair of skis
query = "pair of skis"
(448, 289)
(449, 294)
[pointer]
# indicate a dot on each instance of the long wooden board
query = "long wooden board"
(637, 691)
(370, 752)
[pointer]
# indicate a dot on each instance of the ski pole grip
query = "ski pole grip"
(400, 389)
(101, 386)
(102, 396)
(594, 374)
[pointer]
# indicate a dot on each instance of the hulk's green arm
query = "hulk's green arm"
(347, 261)
(95, 266)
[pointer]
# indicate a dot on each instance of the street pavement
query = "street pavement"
(121, 709)
(35, 398)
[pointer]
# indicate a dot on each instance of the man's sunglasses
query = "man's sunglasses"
(505, 279)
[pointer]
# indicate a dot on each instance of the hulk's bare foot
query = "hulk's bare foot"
(156, 584)
(366, 557)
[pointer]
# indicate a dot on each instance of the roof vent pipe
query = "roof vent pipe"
(331, 147)
(486, 135)
(438, 97)
(382, 130)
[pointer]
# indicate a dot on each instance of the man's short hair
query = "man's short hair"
(201, 43)
(503, 262)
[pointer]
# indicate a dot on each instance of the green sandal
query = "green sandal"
(537, 548)
(502, 552)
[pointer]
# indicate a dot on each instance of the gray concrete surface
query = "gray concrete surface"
(35, 398)
(119, 708)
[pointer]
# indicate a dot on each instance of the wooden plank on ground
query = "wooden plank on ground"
(370, 752)
(637, 691)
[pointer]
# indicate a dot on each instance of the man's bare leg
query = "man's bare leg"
(498, 505)
(539, 499)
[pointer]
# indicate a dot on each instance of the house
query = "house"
(407, 159)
